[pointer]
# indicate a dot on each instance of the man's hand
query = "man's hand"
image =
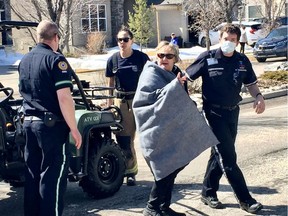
(66, 104)
(259, 104)
(181, 78)
(77, 138)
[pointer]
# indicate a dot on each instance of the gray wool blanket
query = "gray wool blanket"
(171, 129)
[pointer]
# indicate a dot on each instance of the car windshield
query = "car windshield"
(276, 33)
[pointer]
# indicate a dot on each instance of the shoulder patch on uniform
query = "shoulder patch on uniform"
(63, 65)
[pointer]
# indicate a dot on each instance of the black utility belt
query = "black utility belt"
(125, 95)
(48, 118)
(223, 107)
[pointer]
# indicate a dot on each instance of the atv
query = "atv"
(99, 165)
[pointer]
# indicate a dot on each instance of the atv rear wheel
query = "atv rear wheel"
(105, 169)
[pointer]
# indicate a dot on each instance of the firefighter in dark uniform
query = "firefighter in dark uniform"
(45, 85)
(123, 69)
(223, 72)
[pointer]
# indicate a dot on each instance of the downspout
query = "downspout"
(158, 27)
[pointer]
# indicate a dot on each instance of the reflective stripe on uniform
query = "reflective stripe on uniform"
(58, 182)
(63, 82)
(250, 84)
(133, 170)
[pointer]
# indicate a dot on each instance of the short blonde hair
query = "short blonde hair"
(46, 30)
(170, 45)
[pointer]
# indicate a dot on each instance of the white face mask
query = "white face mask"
(228, 47)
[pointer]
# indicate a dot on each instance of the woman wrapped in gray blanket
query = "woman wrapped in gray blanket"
(172, 132)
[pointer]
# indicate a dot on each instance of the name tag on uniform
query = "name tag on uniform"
(212, 61)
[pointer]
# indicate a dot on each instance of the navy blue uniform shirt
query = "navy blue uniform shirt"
(222, 76)
(128, 70)
(41, 73)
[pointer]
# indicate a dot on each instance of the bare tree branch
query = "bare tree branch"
(207, 14)
(271, 11)
(228, 6)
(38, 10)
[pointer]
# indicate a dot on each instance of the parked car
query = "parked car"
(274, 45)
(253, 29)
(282, 20)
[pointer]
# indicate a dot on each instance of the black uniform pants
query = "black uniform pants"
(161, 192)
(242, 47)
(224, 125)
(47, 168)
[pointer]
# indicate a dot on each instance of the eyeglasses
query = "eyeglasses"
(168, 56)
(123, 39)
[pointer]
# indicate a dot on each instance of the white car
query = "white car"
(254, 32)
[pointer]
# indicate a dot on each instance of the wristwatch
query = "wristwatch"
(258, 95)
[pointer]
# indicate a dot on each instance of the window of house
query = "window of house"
(254, 11)
(93, 18)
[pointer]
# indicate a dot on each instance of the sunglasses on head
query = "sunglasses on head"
(168, 56)
(123, 39)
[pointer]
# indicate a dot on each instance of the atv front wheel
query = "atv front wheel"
(105, 169)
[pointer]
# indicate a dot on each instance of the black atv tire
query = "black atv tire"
(105, 169)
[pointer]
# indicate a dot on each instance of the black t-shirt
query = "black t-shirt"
(222, 76)
(127, 70)
(41, 73)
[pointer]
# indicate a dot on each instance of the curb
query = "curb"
(270, 95)
(246, 100)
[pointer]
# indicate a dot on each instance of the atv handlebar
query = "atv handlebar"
(8, 92)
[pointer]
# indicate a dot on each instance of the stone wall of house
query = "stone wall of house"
(5, 38)
(117, 17)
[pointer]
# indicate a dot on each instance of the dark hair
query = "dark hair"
(232, 29)
(126, 29)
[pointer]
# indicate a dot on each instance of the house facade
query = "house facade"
(107, 16)
(91, 16)
(254, 9)
(171, 18)
(112, 15)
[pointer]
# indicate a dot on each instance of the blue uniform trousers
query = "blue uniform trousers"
(47, 168)
(224, 125)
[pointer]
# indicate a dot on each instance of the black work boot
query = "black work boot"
(167, 212)
(151, 212)
(211, 201)
(171, 212)
(131, 180)
(251, 206)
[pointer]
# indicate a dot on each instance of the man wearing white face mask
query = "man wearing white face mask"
(223, 72)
